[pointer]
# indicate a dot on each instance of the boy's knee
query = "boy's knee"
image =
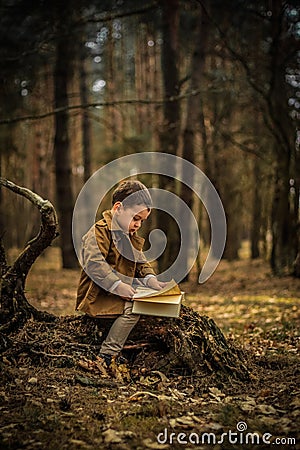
(128, 314)
(133, 318)
(128, 309)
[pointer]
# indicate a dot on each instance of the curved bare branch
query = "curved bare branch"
(48, 231)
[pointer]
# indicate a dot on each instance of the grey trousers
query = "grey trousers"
(119, 331)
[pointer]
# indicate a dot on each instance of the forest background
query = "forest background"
(217, 83)
(214, 82)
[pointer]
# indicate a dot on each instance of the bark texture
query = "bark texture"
(170, 128)
(63, 74)
(14, 307)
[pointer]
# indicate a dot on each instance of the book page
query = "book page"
(171, 288)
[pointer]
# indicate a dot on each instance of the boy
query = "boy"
(113, 263)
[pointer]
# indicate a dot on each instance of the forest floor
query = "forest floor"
(59, 407)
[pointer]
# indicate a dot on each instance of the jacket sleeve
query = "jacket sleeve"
(144, 268)
(95, 249)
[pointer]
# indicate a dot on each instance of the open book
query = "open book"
(166, 302)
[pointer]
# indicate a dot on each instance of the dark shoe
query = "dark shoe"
(108, 359)
(121, 360)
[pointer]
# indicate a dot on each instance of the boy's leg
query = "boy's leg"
(119, 331)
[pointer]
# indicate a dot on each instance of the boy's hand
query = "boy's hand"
(124, 290)
(153, 283)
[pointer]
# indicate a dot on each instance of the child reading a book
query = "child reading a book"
(113, 263)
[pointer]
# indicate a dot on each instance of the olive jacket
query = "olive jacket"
(103, 265)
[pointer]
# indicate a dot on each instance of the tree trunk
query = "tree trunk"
(192, 122)
(169, 133)
(63, 168)
(284, 216)
(296, 265)
(284, 248)
(296, 200)
(86, 127)
(256, 211)
(232, 206)
(1, 204)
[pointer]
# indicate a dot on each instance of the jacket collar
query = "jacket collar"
(136, 240)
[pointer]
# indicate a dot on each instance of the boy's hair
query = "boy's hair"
(124, 190)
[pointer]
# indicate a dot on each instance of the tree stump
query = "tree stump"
(189, 345)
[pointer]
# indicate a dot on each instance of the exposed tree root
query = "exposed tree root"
(190, 345)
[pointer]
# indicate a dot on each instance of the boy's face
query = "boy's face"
(130, 219)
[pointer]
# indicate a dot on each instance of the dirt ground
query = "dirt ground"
(61, 406)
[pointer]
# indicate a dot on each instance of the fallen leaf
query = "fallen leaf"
(188, 421)
(185, 420)
(266, 409)
(111, 436)
(251, 400)
(120, 372)
(148, 443)
(264, 392)
(246, 407)
(127, 434)
(85, 381)
(163, 377)
(33, 380)
(295, 403)
(140, 394)
(215, 392)
(214, 426)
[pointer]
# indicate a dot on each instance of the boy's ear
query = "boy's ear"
(116, 206)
